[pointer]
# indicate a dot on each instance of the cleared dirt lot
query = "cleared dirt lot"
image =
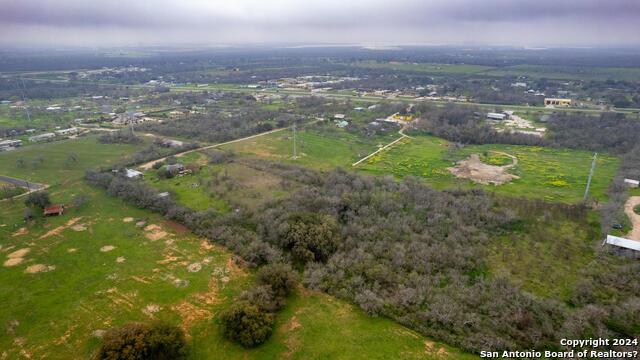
(475, 170)
(633, 217)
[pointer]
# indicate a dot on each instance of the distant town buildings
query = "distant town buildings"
(557, 102)
(66, 132)
(497, 116)
(6, 145)
(42, 137)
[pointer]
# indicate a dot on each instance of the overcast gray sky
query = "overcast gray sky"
(371, 22)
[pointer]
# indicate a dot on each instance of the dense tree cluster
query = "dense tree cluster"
(219, 125)
(119, 137)
(140, 341)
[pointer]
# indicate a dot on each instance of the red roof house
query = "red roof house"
(57, 209)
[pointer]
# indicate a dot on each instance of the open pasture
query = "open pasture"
(321, 147)
(544, 173)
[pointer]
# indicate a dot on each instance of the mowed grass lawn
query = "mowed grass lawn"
(545, 173)
(321, 147)
(65, 279)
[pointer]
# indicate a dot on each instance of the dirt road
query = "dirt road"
(635, 218)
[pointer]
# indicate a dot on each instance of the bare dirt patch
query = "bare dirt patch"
(19, 253)
(178, 228)
(156, 235)
(477, 171)
(53, 232)
(154, 232)
(152, 227)
(633, 217)
(38, 268)
(151, 309)
(127, 219)
(72, 250)
(21, 231)
(120, 259)
(13, 262)
(195, 267)
(107, 248)
(191, 314)
(79, 227)
(73, 221)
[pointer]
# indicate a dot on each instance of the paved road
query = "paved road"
(22, 183)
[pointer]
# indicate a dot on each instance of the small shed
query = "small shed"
(133, 174)
(57, 209)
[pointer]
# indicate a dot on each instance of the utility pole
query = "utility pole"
(24, 98)
(593, 166)
(295, 154)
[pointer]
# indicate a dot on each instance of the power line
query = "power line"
(24, 98)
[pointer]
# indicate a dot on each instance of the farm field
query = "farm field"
(103, 263)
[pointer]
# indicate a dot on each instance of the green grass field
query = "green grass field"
(94, 268)
(545, 173)
(424, 67)
(322, 147)
(550, 174)
(50, 163)
(567, 72)
(534, 71)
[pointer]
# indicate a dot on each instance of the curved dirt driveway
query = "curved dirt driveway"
(635, 218)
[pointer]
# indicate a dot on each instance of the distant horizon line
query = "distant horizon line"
(380, 46)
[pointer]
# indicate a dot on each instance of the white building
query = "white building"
(496, 116)
(42, 137)
(623, 243)
(632, 183)
(9, 144)
(133, 174)
(69, 131)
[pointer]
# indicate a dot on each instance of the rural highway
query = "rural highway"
(22, 183)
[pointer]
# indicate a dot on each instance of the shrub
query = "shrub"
(38, 199)
(263, 297)
(157, 341)
(280, 277)
(247, 324)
